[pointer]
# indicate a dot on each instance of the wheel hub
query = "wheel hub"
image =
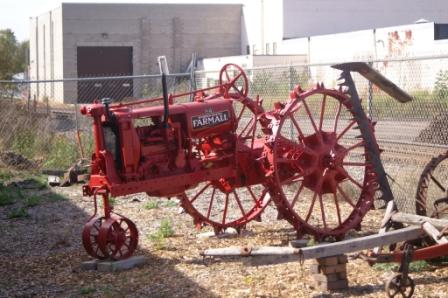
(327, 160)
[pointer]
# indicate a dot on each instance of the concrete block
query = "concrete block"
(113, 266)
(334, 269)
(330, 261)
(332, 285)
(326, 277)
(89, 265)
(342, 259)
(298, 243)
(314, 268)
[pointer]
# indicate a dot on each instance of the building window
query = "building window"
(254, 50)
(274, 48)
(440, 31)
(268, 49)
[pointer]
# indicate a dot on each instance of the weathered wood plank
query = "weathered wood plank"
(324, 250)
(413, 219)
(434, 233)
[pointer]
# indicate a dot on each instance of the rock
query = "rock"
(54, 181)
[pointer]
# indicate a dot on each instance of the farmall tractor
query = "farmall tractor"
(226, 158)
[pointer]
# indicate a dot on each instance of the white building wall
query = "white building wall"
(303, 18)
(46, 55)
(400, 42)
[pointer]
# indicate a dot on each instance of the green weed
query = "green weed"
(32, 201)
(5, 175)
(152, 205)
(63, 153)
(54, 197)
(164, 231)
(18, 213)
(5, 196)
(169, 204)
(87, 290)
(416, 266)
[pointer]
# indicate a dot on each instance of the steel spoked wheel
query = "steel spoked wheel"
(232, 202)
(432, 188)
(218, 204)
(90, 235)
(323, 180)
(234, 79)
(398, 286)
(118, 237)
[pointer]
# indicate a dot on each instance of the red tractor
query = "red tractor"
(225, 159)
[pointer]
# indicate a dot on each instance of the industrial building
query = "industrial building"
(85, 40)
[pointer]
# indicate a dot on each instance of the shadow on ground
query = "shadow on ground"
(41, 254)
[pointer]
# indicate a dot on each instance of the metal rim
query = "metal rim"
(322, 165)
(397, 286)
(118, 237)
(90, 239)
(432, 188)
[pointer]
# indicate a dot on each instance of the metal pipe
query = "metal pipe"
(165, 101)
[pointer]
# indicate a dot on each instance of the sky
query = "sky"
(15, 14)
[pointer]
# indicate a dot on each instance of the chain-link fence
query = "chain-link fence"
(40, 119)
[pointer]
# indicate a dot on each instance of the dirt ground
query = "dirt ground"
(41, 254)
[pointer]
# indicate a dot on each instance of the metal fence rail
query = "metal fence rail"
(46, 112)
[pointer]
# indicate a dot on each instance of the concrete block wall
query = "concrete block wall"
(152, 30)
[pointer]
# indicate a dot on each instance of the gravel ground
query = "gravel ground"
(41, 254)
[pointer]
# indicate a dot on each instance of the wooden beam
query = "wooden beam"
(324, 250)
(413, 219)
(434, 233)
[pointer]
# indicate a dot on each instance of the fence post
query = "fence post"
(291, 78)
(370, 98)
(192, 82)
(28, 103)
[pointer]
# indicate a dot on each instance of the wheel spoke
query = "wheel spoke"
(227, 75)
(226, 204)
(346, 198)
(438, 183)
(338, 211)
(322, 211)
(233, 81)
(322, 112)
(247, 125)
(252, 194)
(319, 184)
(311, 118)
(294, 200)
(311, 207)
(239, 203)
(348, 149)
(336, 119)
(241, 114)
(349, 177)
(345, 130)
(211, 203)
(301, 135)
(292, 179)
(200, 192)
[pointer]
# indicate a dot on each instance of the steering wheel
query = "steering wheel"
(233, 78)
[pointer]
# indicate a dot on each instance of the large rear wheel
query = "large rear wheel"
(323, 181)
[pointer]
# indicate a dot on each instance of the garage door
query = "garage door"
(101, 62)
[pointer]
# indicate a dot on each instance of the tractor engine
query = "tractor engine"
(135, 145)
